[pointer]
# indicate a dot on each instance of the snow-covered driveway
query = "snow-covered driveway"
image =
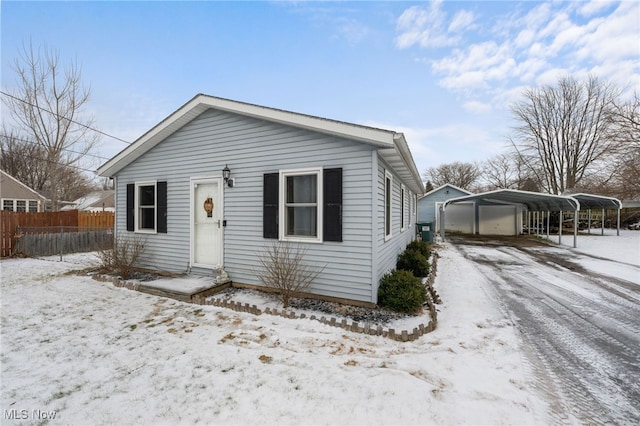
(579, 315)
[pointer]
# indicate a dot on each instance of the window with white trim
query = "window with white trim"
(388, 196)
(33, 206)
(301, 204)
(7, 205)
(145, 207)
(21, 206)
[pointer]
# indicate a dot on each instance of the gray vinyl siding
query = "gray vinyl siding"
(387, 252)
(252, 147)
(427, 204)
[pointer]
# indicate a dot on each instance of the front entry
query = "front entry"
(206, 219)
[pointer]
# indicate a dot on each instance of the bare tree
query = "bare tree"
(508, 171)
(564, 131)
(626, 133)
(47, 105)
(27, 162)
(286, 271)
(24, 161)
(462, 175)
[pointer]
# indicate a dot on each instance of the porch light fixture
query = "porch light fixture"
(226, 175)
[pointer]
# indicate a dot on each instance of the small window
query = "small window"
(33, 206)
(7, 205)
(21, 206)
(388, 193)
(301, 204)
(146, 207)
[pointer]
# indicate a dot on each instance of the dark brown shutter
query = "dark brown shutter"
(161, 193)
(332, 189)
(270, 205)
(131, 200)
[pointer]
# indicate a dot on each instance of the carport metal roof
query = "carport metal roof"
(590, 202)
(536, 201)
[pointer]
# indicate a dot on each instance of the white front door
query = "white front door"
(206, 219)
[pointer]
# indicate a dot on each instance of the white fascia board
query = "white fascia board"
(402, 147)
(377, 137)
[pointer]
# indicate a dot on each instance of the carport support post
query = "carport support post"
(560, 229)
(618, 231)
(575, 228)
(529, 222)
(548, 215)
(589, 219)
(442, 221)
(602, 225)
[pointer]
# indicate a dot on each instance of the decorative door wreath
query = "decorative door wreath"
(208, 206)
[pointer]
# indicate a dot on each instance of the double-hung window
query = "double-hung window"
(301, 204)
(146, 207)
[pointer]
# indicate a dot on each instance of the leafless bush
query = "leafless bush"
(284, 269)
(121, 257)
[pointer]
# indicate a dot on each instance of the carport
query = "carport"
(541, 205)
(590, 202)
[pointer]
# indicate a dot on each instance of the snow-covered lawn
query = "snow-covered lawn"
(91, 353)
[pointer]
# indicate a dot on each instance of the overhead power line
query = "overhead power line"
(64, 149)
(73, 121)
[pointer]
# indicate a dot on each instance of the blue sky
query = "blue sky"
(444, 73)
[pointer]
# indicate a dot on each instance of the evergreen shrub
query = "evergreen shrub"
(421, 247)
(414, 261)
(401, 291)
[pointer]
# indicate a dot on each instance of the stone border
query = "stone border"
(354, 326)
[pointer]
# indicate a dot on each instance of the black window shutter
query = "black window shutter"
(270, 205)
(332, 188)
(131, 200)
(161, 193)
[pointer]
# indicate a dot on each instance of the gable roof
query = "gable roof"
(13, 188)
(446, 185)
(392, 145)
(94, 199)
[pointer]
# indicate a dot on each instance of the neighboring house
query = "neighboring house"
(96, 201)
(17, 197)
(459, 217)
(346, 193)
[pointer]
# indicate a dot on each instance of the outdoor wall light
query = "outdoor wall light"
(226, 175)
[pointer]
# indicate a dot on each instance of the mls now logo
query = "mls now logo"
(15, 414)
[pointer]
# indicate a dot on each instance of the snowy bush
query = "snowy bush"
(122, 256)
(284, 270)
(401, 291)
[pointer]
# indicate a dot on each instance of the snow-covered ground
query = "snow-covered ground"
(87, 352)
(623, 248)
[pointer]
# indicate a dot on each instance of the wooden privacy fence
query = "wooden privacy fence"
(53, 221)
